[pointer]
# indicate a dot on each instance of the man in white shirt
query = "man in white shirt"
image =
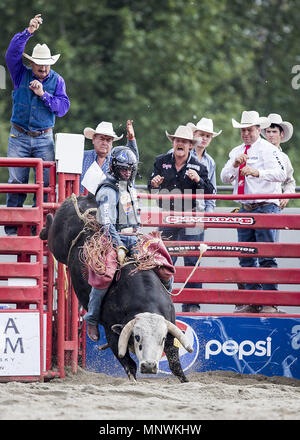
(281, 131)
(255, 167)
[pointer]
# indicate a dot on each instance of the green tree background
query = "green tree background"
(165, 63)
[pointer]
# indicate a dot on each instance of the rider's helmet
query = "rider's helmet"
(122, 158)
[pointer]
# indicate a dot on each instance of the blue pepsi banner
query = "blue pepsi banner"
(249, 345)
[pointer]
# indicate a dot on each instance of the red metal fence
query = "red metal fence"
(29, 250)
(53, 294)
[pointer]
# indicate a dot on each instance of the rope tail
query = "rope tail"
(203, 248)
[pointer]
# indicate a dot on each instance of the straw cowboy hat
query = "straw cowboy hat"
(105, 128)
(41, 55)
(206, 125)
(182, 132)
(286, 126)
(249, 119)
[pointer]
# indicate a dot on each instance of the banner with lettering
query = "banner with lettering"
(249, 345)
(19, 343)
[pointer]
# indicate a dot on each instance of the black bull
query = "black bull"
(129, 296)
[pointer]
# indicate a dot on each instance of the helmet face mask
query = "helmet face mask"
(123, 173)
(123, 161)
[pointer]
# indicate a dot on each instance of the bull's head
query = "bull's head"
(149, 331)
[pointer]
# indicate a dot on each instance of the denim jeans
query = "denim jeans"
(259, 235)
(20, 145)
(185, 234)
(129, 241)
(95, 300)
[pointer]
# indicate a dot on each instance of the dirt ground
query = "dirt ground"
(207, 396)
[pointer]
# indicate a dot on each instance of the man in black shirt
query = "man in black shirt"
(182, 171)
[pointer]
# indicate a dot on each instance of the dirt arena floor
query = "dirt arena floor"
(208, 396)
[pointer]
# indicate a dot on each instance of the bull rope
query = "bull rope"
(203, 248)
(85, 217)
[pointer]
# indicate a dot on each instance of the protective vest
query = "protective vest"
(128, 213)
(29, 111)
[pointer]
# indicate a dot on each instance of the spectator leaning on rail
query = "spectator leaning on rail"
(281, 131)
(96, 161)
(39, 96)
(255, 167)
(179, 169)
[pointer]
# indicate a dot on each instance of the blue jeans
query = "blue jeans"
(20, 145)
(129, 241)
(184, 234)
(95, 300)
(259, 235)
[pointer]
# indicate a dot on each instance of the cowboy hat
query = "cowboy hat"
(105, 128)
(249, 119)
(206, 125)
(182, 132)
(41, 55)
(286, 126)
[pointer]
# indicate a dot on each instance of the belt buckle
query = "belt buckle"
(35, 133)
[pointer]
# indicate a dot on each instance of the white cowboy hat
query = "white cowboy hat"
(41, 55)
(249, 119)
(206, 125)
(286, 126)
(105, 128)
(182, 132)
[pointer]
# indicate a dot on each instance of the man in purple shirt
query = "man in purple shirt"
(39, 96)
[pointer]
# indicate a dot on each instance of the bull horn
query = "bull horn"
(177, 333)
(124, 337)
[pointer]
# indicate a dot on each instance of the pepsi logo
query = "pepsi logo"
(186, 359)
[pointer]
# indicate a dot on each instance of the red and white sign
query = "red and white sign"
(173, 219)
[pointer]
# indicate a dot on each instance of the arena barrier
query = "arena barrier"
(22, 317)
(39, 317)
(244, 343)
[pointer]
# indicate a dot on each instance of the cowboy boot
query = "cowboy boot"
(93, 332)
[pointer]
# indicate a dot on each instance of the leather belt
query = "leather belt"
(32, 133)
(253, 206)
